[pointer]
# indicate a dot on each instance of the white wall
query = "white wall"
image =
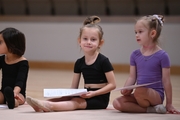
(57, 40)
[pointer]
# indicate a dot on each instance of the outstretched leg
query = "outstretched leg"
(48, 106)
(36, 108)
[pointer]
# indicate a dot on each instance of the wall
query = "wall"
(55, 38)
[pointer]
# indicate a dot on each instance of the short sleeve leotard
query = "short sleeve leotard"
(14, 74)
(149, 68)
(95, 74)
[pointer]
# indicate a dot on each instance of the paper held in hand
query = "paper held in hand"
(63, 92)
(135, 86)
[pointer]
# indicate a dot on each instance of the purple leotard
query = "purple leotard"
(149, 68)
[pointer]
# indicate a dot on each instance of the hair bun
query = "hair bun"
(92, 20)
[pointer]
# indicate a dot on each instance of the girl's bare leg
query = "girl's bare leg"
(66, 98)
(48, 106)
(143, 100)
(1, 98)
(149, 98)
(146, 97)
(36, 108)
(128, 104)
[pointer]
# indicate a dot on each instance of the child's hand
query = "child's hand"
(89, 94)
(18, 98)
(172, 110)
(126, 92)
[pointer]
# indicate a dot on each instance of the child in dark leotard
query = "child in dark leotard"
(97, 72)
(14, 67)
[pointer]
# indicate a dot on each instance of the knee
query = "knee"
(140, 95)
(140, 92)
(117, 104)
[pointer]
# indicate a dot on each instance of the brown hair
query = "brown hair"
(92, 22)
(154, 22)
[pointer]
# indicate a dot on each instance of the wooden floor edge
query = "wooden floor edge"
(124, 68)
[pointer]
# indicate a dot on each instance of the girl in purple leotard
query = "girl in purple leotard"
(148, 64)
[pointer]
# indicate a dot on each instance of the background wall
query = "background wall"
(55, 38)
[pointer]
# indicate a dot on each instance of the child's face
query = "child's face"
(3, 47)
(89, 40)
(142, 33)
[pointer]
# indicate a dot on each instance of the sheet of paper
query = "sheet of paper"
(3, 106)
(63, 92)
(135, 86)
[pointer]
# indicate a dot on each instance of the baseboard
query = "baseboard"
(123, 68)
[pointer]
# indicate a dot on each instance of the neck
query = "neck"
(11, 58)
(90, 58)
(149, 47)
(149, 50)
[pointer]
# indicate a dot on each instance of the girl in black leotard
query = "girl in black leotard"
(14, 67)
(97, 72)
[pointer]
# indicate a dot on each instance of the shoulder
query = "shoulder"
(22, 60)
(80, 60)
(136, 52)
(102, 57)
(162, 53)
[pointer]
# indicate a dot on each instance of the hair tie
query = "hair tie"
(159, 19)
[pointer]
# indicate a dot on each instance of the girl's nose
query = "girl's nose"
(136, 35)
(89, 41)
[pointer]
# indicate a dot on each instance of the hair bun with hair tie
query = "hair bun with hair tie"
(159, 19)
(92, 20)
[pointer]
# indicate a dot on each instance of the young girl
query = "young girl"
(148, 64)
(97, 72)
(14, 67)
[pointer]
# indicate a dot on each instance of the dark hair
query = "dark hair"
(15, 41)
(92, 22)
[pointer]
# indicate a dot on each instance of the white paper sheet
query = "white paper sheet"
(63, 92)
(3, 106)
(135, 86)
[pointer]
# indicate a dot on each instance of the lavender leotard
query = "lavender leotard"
(149, 68)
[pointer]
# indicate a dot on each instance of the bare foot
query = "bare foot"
(44, 105)
(36, 108)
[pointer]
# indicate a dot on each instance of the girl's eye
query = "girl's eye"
(84, 38)
(140, 31)
(93, 39)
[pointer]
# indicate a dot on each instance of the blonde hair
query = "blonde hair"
(154, 22)
(91, 22)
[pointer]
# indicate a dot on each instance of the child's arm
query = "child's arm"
(168, 90)
(130, 81)
(76, 80)
(17, 89)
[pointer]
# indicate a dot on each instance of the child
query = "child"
(14, 67)
(97, 72)
(148, 64)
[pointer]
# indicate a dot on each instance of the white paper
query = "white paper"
(3, 106)
(135, 86)
(63, 92)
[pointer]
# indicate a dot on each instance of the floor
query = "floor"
(40, 79)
